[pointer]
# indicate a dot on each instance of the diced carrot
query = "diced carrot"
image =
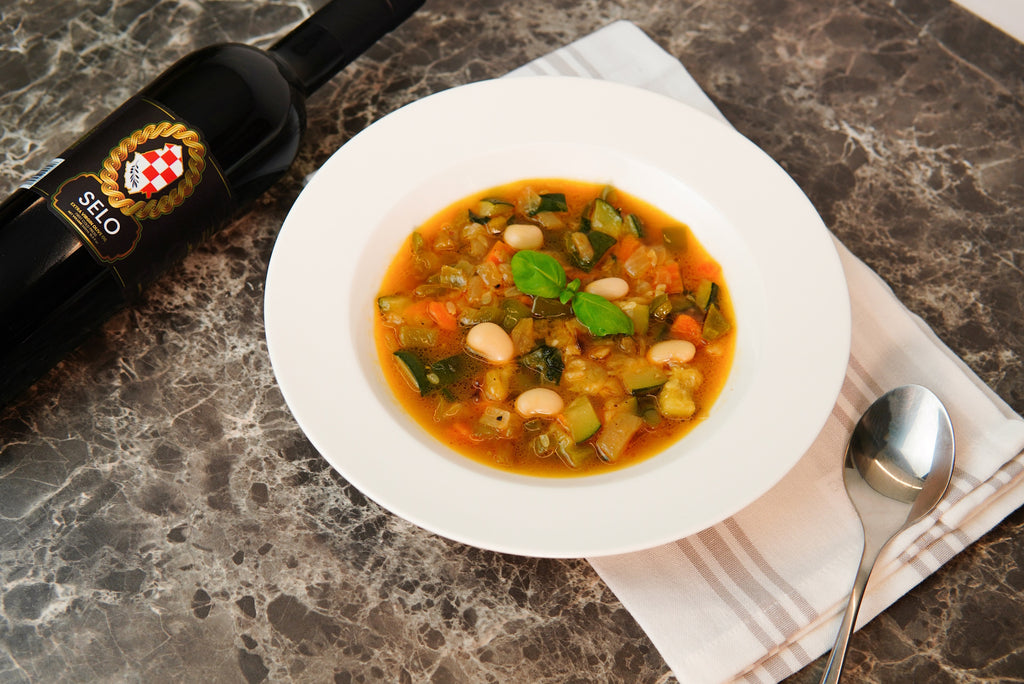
(686, 328)
(707, 269)
(500, 253)
(442, 316)
(668, 275)
(625, 247)
(462, 430)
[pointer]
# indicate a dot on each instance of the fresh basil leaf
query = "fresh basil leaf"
(570, 291)
(538, 274)
(600, 316)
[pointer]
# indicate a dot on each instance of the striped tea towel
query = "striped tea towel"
(760, 595)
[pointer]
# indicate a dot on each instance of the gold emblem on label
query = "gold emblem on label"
(182, 179)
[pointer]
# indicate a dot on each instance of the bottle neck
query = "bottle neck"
(340, 31)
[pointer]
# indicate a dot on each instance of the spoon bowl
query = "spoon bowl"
(898, 465)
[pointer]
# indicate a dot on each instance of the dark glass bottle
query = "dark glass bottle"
(239, 113)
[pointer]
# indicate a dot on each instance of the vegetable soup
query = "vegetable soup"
(555, 328)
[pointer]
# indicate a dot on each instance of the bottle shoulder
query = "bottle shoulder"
(242, 99)
(231, 67)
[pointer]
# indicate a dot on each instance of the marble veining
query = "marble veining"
(162, 517)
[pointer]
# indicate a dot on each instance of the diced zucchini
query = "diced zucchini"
(643, 378)
(706, 294)
(514, 311)
(661, 307)
(581, 419)
(675, 238)
(413, 371)
(454, 278)
(492, 314)
(417, 336)
(486, 209)
(573, 455)
(545, 360)
(601, 242)
(715, 324)
(647, 408)
(634, 225)
(449, 370)
(417, 243)
(543, 445)
(640, 314)
(529, 202)
(579, 250)
(586, 249)
(426, 378)
(603, 217)
(616, 436)
(681, 302)
(544, 307)
(432, 290)
(552, 201)
(393, 304)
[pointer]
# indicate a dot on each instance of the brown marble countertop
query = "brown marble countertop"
(162, 517)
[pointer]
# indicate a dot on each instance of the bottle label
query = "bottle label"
(140, 191)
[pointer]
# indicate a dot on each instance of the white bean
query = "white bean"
(671, 352)
(609, 288)
(490, 341)
(539, 401)
(523, 236)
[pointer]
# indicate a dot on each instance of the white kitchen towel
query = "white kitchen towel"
(760, 595)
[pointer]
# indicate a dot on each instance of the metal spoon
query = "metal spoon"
(898, 465)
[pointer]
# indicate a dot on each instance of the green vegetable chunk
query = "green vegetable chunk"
(603, 217)
(572, 454)
(553, 201)
(675, 238)
(393, 304)
(449, 370)
(706, 294)
(644, 378)
(715, 324)
(581, 419)
(634, 225)
(545, 360)
(544, 307)
(514, 311)
(417, 336)
(413, 370)
(586, 255)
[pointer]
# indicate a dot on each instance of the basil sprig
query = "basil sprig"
(540, 275)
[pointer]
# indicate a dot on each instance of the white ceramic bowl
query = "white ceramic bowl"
(787, 286)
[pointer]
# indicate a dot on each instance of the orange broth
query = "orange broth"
(473, 410)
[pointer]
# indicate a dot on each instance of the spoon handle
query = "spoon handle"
(834, 667)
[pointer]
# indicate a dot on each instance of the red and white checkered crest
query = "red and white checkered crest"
(150, 172)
